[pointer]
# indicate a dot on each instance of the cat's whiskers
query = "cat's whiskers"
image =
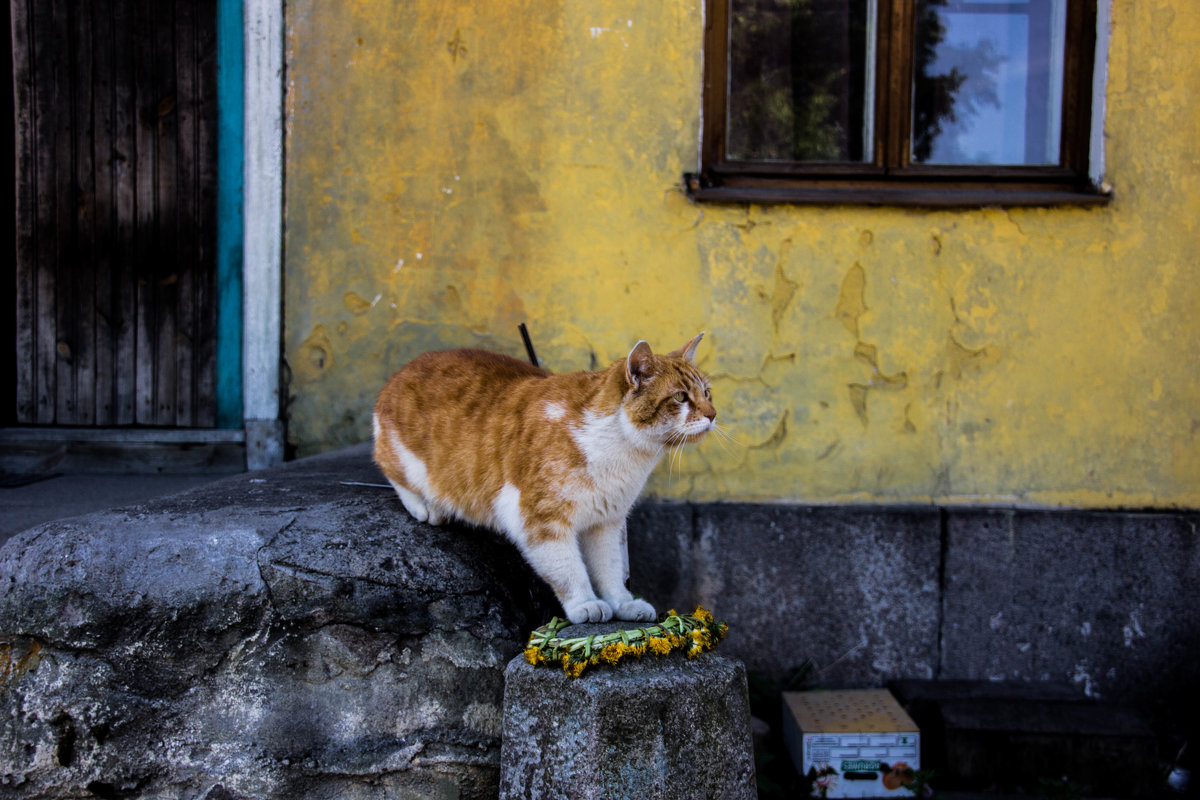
(679, 454)
(674, 444)
(673, 448)
(724, 433)
(724, 439)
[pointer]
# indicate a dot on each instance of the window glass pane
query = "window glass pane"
(988, 81)
(800, 80)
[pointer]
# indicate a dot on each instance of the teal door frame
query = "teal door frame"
(231, 124)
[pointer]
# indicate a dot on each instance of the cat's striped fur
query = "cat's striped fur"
(554, 462)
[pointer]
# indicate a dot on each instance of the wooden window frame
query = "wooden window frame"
(889, 177)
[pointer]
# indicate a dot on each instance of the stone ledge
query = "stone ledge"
(654, 729)
(292, 568)
(278, 634)
(1104, 600)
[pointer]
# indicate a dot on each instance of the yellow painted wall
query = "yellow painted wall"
(454, 169)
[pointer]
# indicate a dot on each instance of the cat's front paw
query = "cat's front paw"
(589, 611)
(638, 610)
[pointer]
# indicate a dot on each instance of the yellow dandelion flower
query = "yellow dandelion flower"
(612, 653)
(694, 634)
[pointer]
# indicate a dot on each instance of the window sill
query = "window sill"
(911, 194)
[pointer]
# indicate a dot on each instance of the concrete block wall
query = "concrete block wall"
(1106, 601)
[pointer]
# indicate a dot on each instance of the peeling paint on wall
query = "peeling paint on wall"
(453, 171)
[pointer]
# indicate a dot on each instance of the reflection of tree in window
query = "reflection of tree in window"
(815, 100)
(944, 102)
(797, 80)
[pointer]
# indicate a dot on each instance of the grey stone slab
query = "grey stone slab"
(661, 556)
(856, 590)
(274, 635)
(291, 633)
(63, 496)
(655, 729)
(1105, 601)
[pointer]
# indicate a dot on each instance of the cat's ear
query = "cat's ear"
(637, 364)
(688, 351)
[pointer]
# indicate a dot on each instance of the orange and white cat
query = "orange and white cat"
(554, 462)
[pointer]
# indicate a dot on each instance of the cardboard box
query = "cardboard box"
(857, 743)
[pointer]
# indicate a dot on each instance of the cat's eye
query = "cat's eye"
(681, 397)
(708, 394)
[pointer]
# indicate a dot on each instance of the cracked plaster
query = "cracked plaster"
(453, 172)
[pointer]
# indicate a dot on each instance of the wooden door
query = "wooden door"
(116, 125)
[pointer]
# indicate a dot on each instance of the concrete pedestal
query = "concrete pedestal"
(655, 729)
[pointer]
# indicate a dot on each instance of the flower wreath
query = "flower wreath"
(697, 632)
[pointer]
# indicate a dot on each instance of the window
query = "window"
(921, 102)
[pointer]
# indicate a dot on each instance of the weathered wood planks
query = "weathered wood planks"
(116, 114)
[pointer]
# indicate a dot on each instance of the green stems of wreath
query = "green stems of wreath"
(696, 633)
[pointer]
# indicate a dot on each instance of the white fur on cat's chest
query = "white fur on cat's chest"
(619, 461)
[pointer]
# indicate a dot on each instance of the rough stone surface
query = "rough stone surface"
(661, 552)
(1106, 601)
(655, 729)
(856, 590)
(281, 634)
(273, 635)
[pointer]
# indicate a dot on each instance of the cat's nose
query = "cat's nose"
(711, 414)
